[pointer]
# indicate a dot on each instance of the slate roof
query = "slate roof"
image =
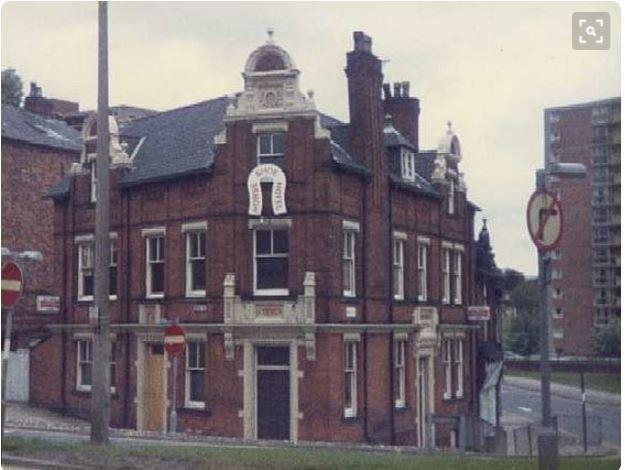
(425, 163)
(24, 126)
(177, 142)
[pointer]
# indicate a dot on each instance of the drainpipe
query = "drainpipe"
(124, 293)
(390, 310)
(64, 296)
(363, 270)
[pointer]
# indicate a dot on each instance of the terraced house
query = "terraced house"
(321, 270)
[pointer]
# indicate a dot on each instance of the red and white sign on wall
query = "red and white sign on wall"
(174, 340)
(48, 303)
(12, 284)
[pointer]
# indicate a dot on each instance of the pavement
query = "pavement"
(565, 391)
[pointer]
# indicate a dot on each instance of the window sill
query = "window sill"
(400, 408)
(86, 390)
(349, 295)
(422, 299)
(86, 298)
(155, 296)
(349, 416)
(195, 294)
(271, 292)
(197, 406)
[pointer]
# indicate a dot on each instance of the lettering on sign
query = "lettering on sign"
(267, 173)
(269, 311)
(48, 303)
(478, 313)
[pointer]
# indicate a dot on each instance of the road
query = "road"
(526, 403)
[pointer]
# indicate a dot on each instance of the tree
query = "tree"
(606, 341)
(11, 88)
(522, 335)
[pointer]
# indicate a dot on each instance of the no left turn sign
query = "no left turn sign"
(544, 220)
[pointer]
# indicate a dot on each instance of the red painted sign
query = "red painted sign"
(174, 340)
(12, 284)
(544, 220)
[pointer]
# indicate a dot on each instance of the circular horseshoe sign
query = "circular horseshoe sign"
(544, 220)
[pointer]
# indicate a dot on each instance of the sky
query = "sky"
(489, 68)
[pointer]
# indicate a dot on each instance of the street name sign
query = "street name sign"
(544, 220)
(174, 340)
(12, 284)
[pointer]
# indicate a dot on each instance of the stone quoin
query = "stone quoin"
(321, 270)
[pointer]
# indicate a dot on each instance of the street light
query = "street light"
(564, 171)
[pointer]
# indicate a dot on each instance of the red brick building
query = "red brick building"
(585, 289)
(321, 270)
(36, 151)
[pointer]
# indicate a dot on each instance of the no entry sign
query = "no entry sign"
(544, 220)
(12, 283)
(174, 340)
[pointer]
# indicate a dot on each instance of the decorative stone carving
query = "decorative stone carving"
(426, 318)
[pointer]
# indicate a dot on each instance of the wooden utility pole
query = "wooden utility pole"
(101, 395)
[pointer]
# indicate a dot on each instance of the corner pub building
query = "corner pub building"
(321, 270)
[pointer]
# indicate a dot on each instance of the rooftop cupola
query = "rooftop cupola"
(271, 85)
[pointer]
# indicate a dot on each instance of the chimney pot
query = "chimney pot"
(362, 42)
(405, 89)
(387, 90)
(396, 89)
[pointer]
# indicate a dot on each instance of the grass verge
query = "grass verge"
(169, 457)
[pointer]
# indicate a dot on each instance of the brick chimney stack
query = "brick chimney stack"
(364, 85)
(404, 110)
(36, 103)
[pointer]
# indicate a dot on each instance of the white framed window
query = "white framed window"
(351, 379)
(447, 367)
(94, 181)
(155, 266)
(422, 271)
(194, 376)
(84, 365)
(195, 264)
(113, 269)
(457, 277)
(400, 373)
(451, 199)
(271, 261)
(407, 164)
(558, 332)
(85, 271)
(271, 147)
(459, 353)
(446, 275)
(349, 262)
(398, 268)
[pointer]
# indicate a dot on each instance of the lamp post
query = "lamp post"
(564, 171)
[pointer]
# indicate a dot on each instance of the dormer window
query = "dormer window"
(271, 148)
(407, 165)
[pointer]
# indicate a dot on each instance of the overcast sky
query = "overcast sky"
(489, 68)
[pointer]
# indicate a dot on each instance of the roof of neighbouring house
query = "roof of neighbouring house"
(24, 126)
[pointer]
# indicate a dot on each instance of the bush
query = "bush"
(606, 341)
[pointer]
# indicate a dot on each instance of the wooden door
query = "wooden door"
(273, 393)
(153, 388)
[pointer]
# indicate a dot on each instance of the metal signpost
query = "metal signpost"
(12, 286)
(544, 222)
(174, 345)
